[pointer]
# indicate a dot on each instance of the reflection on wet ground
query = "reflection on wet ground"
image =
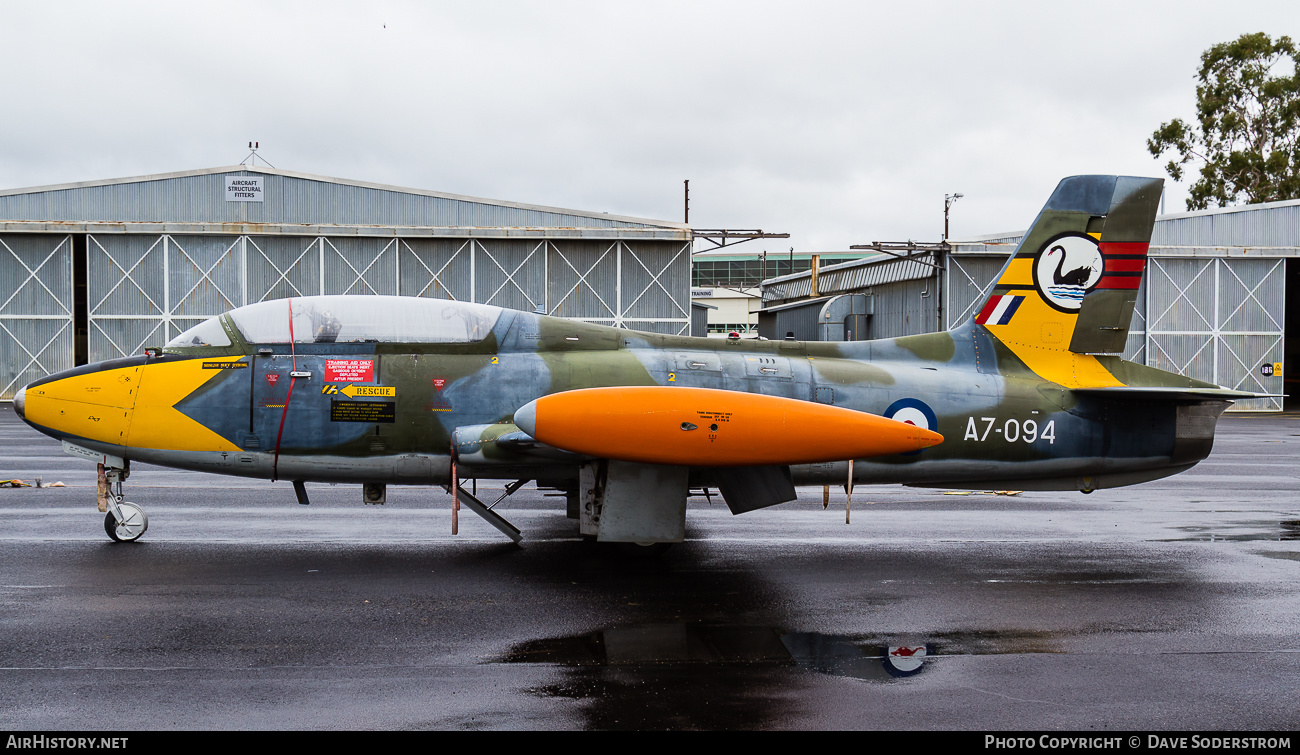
(638, 677)
(841, 655)
(625, 673)
(1287, 529)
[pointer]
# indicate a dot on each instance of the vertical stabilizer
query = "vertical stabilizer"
(1072, 283)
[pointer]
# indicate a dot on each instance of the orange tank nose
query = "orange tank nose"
(706, 427)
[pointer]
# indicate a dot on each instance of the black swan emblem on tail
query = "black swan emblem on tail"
(1076, 277)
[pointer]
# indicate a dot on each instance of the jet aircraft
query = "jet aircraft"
(380, 390)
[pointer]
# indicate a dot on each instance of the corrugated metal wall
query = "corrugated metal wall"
(968, 279)
(1274, 224)
(582, 279)
(441, 268)
(36, 312)
(907, 308)
(651, 275)
(1135, 346)
(145, 289)
(1219, 320)
(803, 320)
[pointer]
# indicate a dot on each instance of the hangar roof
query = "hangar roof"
(1268, 229)
(854, 275)
(1269, 225)
(196, 201)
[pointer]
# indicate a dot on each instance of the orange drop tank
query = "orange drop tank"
(707, 427)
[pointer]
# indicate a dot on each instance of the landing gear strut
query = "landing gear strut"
(125, 522)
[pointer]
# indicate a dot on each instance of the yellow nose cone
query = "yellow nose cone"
(93, 404)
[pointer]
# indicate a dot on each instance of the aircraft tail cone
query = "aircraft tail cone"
(707, 427)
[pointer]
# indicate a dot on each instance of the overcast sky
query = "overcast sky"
(837, 122)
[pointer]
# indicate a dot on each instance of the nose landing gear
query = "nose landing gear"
(124, 522)
(127, 523)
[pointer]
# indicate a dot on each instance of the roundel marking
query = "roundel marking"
(913, 412)
(1066, 268)
(904, 661)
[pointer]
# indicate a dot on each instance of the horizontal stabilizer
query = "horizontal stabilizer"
(1157, 393)
(703, 427)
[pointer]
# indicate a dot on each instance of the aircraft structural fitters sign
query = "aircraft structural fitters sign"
(243, 188)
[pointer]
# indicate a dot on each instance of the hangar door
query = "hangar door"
(968, 280)
(145, 289)
(36, 312)
(1219, 319)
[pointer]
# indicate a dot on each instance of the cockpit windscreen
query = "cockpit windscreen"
(365, 319)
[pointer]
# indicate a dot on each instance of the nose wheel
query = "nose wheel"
(127, 524)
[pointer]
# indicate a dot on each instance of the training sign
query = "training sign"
(243, 188)
(349, 370)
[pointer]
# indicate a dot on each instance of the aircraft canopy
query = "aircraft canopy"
(350, 319)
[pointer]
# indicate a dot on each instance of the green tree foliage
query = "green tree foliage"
(1247, 124)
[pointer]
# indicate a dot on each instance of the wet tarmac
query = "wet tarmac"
(1169, 605)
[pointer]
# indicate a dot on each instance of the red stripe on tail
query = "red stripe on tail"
(1123, 257)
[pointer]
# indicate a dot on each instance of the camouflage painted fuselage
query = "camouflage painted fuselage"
(391, 390)
(221, 409)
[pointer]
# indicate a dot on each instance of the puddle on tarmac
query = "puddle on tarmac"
(1287, 529)
(877, 659)
(684, 676)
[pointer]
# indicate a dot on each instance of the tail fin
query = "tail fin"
(1072, 283)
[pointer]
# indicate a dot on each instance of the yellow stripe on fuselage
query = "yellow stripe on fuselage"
(158, 424)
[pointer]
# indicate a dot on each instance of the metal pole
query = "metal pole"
(948, 201)
(687, 210)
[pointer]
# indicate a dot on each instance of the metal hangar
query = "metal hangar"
(102, 269)
(1220, 300)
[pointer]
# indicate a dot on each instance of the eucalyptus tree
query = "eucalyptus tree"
(1247, 125)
